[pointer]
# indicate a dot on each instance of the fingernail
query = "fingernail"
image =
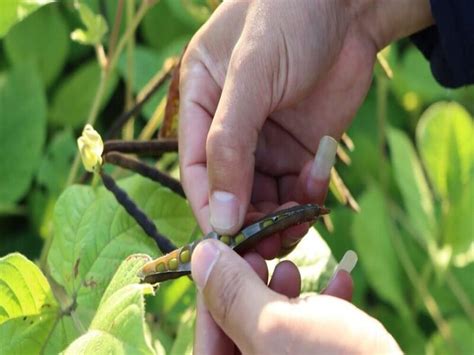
(224, 210)
(204, 258)
(347, 263)
(324, 159)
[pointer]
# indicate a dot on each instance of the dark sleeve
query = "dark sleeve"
(449, 45)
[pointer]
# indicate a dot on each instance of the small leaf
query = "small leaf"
(22, 131)
(28, 309)
(42, 39)
(372, 231)
(14, 11)
(119, 326)
(93, 234)
(444, 137)
(73, 99)
(96, 26)
(413, 186)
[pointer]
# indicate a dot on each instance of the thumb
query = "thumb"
(233, 293)
(232, 139)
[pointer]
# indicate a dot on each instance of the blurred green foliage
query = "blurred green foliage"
(411, 172)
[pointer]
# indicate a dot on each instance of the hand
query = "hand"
(261, 83)
(236, 308)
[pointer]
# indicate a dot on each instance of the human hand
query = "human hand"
(237, 309)
(261, 83)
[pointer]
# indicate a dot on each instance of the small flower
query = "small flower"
(91, 147)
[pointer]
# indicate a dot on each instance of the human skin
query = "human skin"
(261, 83)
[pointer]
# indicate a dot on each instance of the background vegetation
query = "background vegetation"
(410, 170)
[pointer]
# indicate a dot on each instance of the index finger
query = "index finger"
(199, 95)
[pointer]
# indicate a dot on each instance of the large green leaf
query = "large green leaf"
(445, 140)
(183, 344)
(373, 231)
(73, 99)
(461, 342)
(413, 186)
(43, 39)
(55, 165)
(161, 27)
(28, 309)
(93, 234)
(22, 131)
(119, 324)
(16, 10)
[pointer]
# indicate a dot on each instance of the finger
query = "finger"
(313, 181)
(232, 140)
(235, 296)
(199, 95)
(341, 286)
(258, 265)
(209, 338)
(286, 279)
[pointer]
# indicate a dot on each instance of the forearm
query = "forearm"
(388, 20)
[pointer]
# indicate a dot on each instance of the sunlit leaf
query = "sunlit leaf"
(445, 139)
(16, 10)
(461, 342)
(412, 183)
(119, 324)
(185, 336)
(28, 309)
(85, 217)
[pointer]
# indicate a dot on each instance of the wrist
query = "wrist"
(385, 21)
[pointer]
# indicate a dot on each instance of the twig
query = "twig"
(123, 118)
(163, 243)
(149, 148)
(146, 171)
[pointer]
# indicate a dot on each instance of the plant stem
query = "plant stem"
(420, 286)
(453, 285)
(382, 93)
(105, 75)
(129, 100)
(150, 148)
(116, 28)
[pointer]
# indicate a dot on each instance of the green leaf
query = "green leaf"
(119, 324)
(413, 75)
(183, 345)
(93, 234)
(57, 161)
(14, 11)
(413, 186)
(444, 138)
(160, 26)
(146, 63)
(73, 99)
(44, 45)
(28, 309)
(22, 131)
(192, 12)
(96, 26)
(462, 340)
(373, 231)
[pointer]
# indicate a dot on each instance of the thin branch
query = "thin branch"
(123, 118)
(128, 129)
(144, 148)
(163, 243)
(146, 171)
(116, 28)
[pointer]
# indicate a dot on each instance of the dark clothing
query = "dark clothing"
(449, 45)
